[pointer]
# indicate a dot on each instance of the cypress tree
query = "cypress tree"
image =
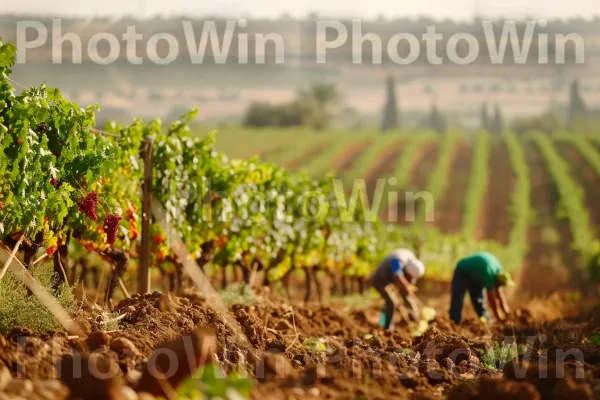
(577, 109)
(497, 125)
(437, 121)
(390, 110)
(485, 118)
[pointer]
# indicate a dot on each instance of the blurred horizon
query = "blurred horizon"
(438, 9)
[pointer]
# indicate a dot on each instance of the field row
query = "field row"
(534, 195)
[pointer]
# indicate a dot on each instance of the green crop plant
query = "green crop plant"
(499, 355)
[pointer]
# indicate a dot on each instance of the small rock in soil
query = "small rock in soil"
(494, 389)
(96, 373)
(570, 389)
(124, 348)
(5, 376)
(411, 378)
(97, 340)
(145, 396)
(284, 326)
(274, 366)
(19, 387)
(189, 351)
(123, 393)
(166, 302)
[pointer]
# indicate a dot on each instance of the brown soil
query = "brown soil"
(449, 209)
(497, 199)
(383, 168)
(549, 262)
(360, 360)
(307, 155)
(347, 159)
(423, 163)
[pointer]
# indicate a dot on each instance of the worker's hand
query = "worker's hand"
(406, 290)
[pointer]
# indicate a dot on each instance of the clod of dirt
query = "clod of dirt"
(124, 348)
(274, 366)
(98, 340)
(284, 326)
(569, 389)
(545, 377)
(5, 376)
(434, 373)
(167, 302)
(21, 387)
(145, 396)
(95, 373)
(189, 352)
(313, 374)
(412, 378)
(438, 346)
(50, 389)
(123, 393)
(494, 389)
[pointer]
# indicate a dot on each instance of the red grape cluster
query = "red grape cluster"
(111, 225)
(88, 205)
(53, 181)
(42, 128)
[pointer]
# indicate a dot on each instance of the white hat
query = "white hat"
(415, 268)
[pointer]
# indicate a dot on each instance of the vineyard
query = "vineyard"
(114, 239)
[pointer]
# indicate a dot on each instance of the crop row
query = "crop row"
(478, 184)
(571, 205)
(520, 207)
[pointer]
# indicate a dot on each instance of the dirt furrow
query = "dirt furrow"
(347, 159)
(495, 220)
(546, 266)
(423, 163)
(383, 168)
(449, 207)
(307, 155)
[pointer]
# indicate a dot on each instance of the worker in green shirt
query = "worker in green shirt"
(473, 274)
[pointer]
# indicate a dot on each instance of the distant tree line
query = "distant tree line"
(313, 107)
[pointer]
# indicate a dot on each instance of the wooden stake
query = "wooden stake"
(144, 267)
(123, 288)
(40, 258)
(11, 257)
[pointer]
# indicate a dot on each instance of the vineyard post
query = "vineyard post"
(143, 273)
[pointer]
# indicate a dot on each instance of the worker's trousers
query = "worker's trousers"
(388, 310)
(461, 284)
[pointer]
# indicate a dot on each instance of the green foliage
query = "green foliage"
(313, 107)
(571, 205)
(211, 383)
(50, 157)
(595, 339)
(547, 123)
(261, 114)
(20, 309)
(238, 293)
(315, 345)
(520, 208)
(499, 355)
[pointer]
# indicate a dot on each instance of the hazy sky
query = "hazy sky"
(456, 9)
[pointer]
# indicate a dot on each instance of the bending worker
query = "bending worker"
(402, 268)
(473, 274)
